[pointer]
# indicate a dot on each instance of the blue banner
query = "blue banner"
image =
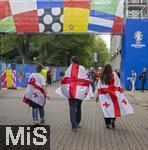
(135, 50)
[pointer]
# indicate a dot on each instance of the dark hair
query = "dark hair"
(106, 74)
(74, 59)
(39, 68)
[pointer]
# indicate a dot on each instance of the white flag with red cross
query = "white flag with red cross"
(75, 84)
(34, 92)
(112, 99)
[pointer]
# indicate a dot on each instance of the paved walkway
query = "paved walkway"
(131, 132)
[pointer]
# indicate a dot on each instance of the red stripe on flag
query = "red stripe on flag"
(37, 87)
(80, 82)
(73, 81)
(74, 76)
(77, 4)
(111, 91)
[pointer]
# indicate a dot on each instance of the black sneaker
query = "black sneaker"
(42, 121)
(113, 123)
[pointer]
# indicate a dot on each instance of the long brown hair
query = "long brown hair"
(106, 74)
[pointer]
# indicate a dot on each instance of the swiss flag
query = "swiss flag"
(5, 10)
(26, 22)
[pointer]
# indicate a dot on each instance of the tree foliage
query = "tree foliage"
(53, 49)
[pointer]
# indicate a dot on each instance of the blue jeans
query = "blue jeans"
(142, 85)
(37, 110)
(93, 86)
(75, 112)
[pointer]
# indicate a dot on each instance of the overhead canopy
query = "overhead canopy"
(61, 16)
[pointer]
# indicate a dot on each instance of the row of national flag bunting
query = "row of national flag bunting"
(61, 16)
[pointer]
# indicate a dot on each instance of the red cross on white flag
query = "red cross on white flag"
(106, 104)
(124, 101)
(34, 91)
(112, 99)
(75, 84)
(35, 95)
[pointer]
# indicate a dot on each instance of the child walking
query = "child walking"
(36, 95)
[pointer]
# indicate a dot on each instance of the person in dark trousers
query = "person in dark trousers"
(92, 78)
(75, 112)
(49, 77)
(143, 79)
(75, 106)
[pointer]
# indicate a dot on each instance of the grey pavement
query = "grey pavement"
(131, 132)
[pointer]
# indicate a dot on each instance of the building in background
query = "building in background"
(115, 51)
(134, 9)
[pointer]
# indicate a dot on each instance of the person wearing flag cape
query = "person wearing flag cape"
(75, 86)
(112, 99)
(36, 95)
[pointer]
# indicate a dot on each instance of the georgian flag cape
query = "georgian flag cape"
(75, 84)
(112, 99)
(34, 91)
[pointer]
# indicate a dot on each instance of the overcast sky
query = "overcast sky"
(106, 38)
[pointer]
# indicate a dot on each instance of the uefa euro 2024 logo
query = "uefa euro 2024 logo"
(138, 36)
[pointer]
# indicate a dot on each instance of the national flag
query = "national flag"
(35, 92)
(112, 99)
(100, 21)
(103, 16)
(75, 84)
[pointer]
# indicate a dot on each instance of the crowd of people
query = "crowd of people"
(78, 85)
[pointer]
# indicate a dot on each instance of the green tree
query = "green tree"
(102, 51)
(19, 43)
(55, 49)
